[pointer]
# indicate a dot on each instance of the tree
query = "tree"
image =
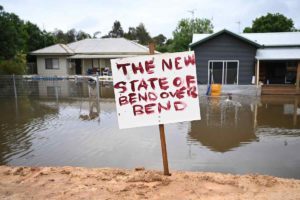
(183, 34)
(159, 40)
(142, 34)
(271, 23)
(131, 34)
(81, 35)
(13, 36)
(117, 30)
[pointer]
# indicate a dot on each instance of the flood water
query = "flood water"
(58, 123)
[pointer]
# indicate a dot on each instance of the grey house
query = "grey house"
(268, 59)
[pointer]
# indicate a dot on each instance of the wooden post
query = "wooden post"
(164, 149)
(162, 131)
(257, 73)
(298, 76)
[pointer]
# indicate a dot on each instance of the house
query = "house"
(85, 56)
(268, 59)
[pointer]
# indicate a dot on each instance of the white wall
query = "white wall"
(63, 66)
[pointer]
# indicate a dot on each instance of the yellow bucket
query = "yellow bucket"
(215, 89)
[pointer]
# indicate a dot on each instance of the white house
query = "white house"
(85, 56)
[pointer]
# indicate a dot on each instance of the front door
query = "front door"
(78, 67)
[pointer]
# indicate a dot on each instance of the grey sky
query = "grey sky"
(159, 16)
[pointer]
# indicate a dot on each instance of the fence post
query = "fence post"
(15, 89)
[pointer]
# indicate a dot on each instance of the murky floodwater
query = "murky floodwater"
(56, 123)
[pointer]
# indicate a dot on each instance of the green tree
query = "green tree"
(13, 36)
(183, 34)
(142, 34)
(131, 34)
(117, 30)
(159, 39)
(82, 35)
(271, 23)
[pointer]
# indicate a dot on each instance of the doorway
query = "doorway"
(78, 67)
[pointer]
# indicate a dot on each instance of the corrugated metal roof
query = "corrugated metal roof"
(108, 46)
(96, 46)
(274, 39)
(80, 56)
(54, 49)
(263, 39)
(278, 54)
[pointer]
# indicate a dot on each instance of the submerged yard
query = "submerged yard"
(59, 123)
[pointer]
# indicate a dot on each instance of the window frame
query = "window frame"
(51, 68)
(224, 66)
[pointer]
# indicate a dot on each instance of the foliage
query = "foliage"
(183, 34)
(17, 65)
(138, 33)
(117, 30)
(131, 34)
(13, 36)
(142, 34)
(70, 36)
(271, 23)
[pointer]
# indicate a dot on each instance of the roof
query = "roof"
(108, 46)
(103, 46)
(278, 54)
(200, 38)
(81, 56)
(274, 39)
(260, 39)
(54, 49)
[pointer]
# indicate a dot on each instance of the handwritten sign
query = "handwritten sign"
(156, 89)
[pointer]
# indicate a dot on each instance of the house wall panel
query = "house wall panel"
(63, 66)
(225, 47)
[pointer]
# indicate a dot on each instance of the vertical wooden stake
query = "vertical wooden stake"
(164, 149)
(162, 131)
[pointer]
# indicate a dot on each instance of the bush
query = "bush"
(14, 66)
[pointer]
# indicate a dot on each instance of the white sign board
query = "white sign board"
(156, 89)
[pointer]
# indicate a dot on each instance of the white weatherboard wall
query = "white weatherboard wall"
(63, 66)
(126, 116)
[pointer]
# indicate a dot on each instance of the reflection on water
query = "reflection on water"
(63, 123)
(225, 124)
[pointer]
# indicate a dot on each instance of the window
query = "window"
(51, 63)
(223, 71)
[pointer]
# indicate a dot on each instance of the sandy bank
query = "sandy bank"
(86, 183)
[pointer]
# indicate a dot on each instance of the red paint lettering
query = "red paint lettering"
(190, 80)
(137, 110)
(177, 82)
(149, 66)
(142, 97)
(167, 107)
(123, 100)
(189, 60)
(132, 85)
(192, 92)
(179, 105)
(152, 96)
(177, 59)
(149, 108)
(164, 95)
(163, 83)
(135, 68)
(152, 80)
(165, 64)
(132, 98)
(142, 84)
(123, 66)
(121, 85)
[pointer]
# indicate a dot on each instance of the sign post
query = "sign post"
(162, 132)
(154, 90)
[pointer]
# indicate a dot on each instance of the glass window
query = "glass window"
(223, 72)
(51, 63)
